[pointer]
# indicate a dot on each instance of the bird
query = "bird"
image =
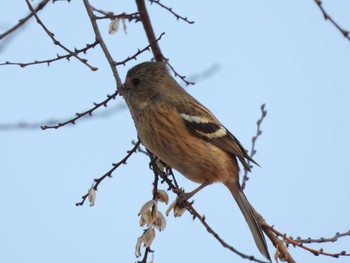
(186, 136)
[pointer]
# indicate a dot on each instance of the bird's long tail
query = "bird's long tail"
(249, 216)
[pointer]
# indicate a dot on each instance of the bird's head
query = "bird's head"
(144, 81)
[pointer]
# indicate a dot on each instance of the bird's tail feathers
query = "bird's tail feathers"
(249, 216)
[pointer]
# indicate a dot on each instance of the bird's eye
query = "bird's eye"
(135, 81)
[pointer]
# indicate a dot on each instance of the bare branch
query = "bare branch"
(22, 125)
(147, 25)
(49, 61)
(85, 113)
(171, 11)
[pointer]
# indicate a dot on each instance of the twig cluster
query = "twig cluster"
(55, 41)
(299, 243)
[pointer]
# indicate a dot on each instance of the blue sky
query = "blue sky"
(281, 53)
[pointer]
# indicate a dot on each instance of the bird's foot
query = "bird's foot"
(182, 196)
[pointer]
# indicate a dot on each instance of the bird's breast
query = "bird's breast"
(163, 132)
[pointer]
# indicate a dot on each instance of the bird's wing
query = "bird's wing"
(201, 122)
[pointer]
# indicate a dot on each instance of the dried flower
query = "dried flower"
(149, 236)
(114, 26)
(146, 238)
(147, 206)
(124, 25)
(162, 196)
(92, 196)
(160, 222)
(138, 246)
(146, 218)
(178, 211)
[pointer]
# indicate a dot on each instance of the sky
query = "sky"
(280, 53)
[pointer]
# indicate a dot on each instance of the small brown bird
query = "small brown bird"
(185, 135)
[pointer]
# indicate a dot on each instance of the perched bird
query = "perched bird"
(186, 136)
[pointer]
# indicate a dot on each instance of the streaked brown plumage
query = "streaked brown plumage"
(186, 136)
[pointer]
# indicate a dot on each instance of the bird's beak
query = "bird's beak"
(120, 89)
(124, 90)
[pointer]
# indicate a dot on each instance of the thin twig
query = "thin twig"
(109, 173)
(138, 52)
(326, 16)
(110, 15)
(80, 115)
(182, 77)
(171, 11)
(22, 21)
(55, 41)
(323, 239)
(49, 61)
(254, 139)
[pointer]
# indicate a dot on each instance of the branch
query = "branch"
(55, 41)
(146, 22)
(171, 11)
(79, 115)
(109, 173)
(102, 43)
(48, 61)
(326, 16)
(254, 139)
(22, 21)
